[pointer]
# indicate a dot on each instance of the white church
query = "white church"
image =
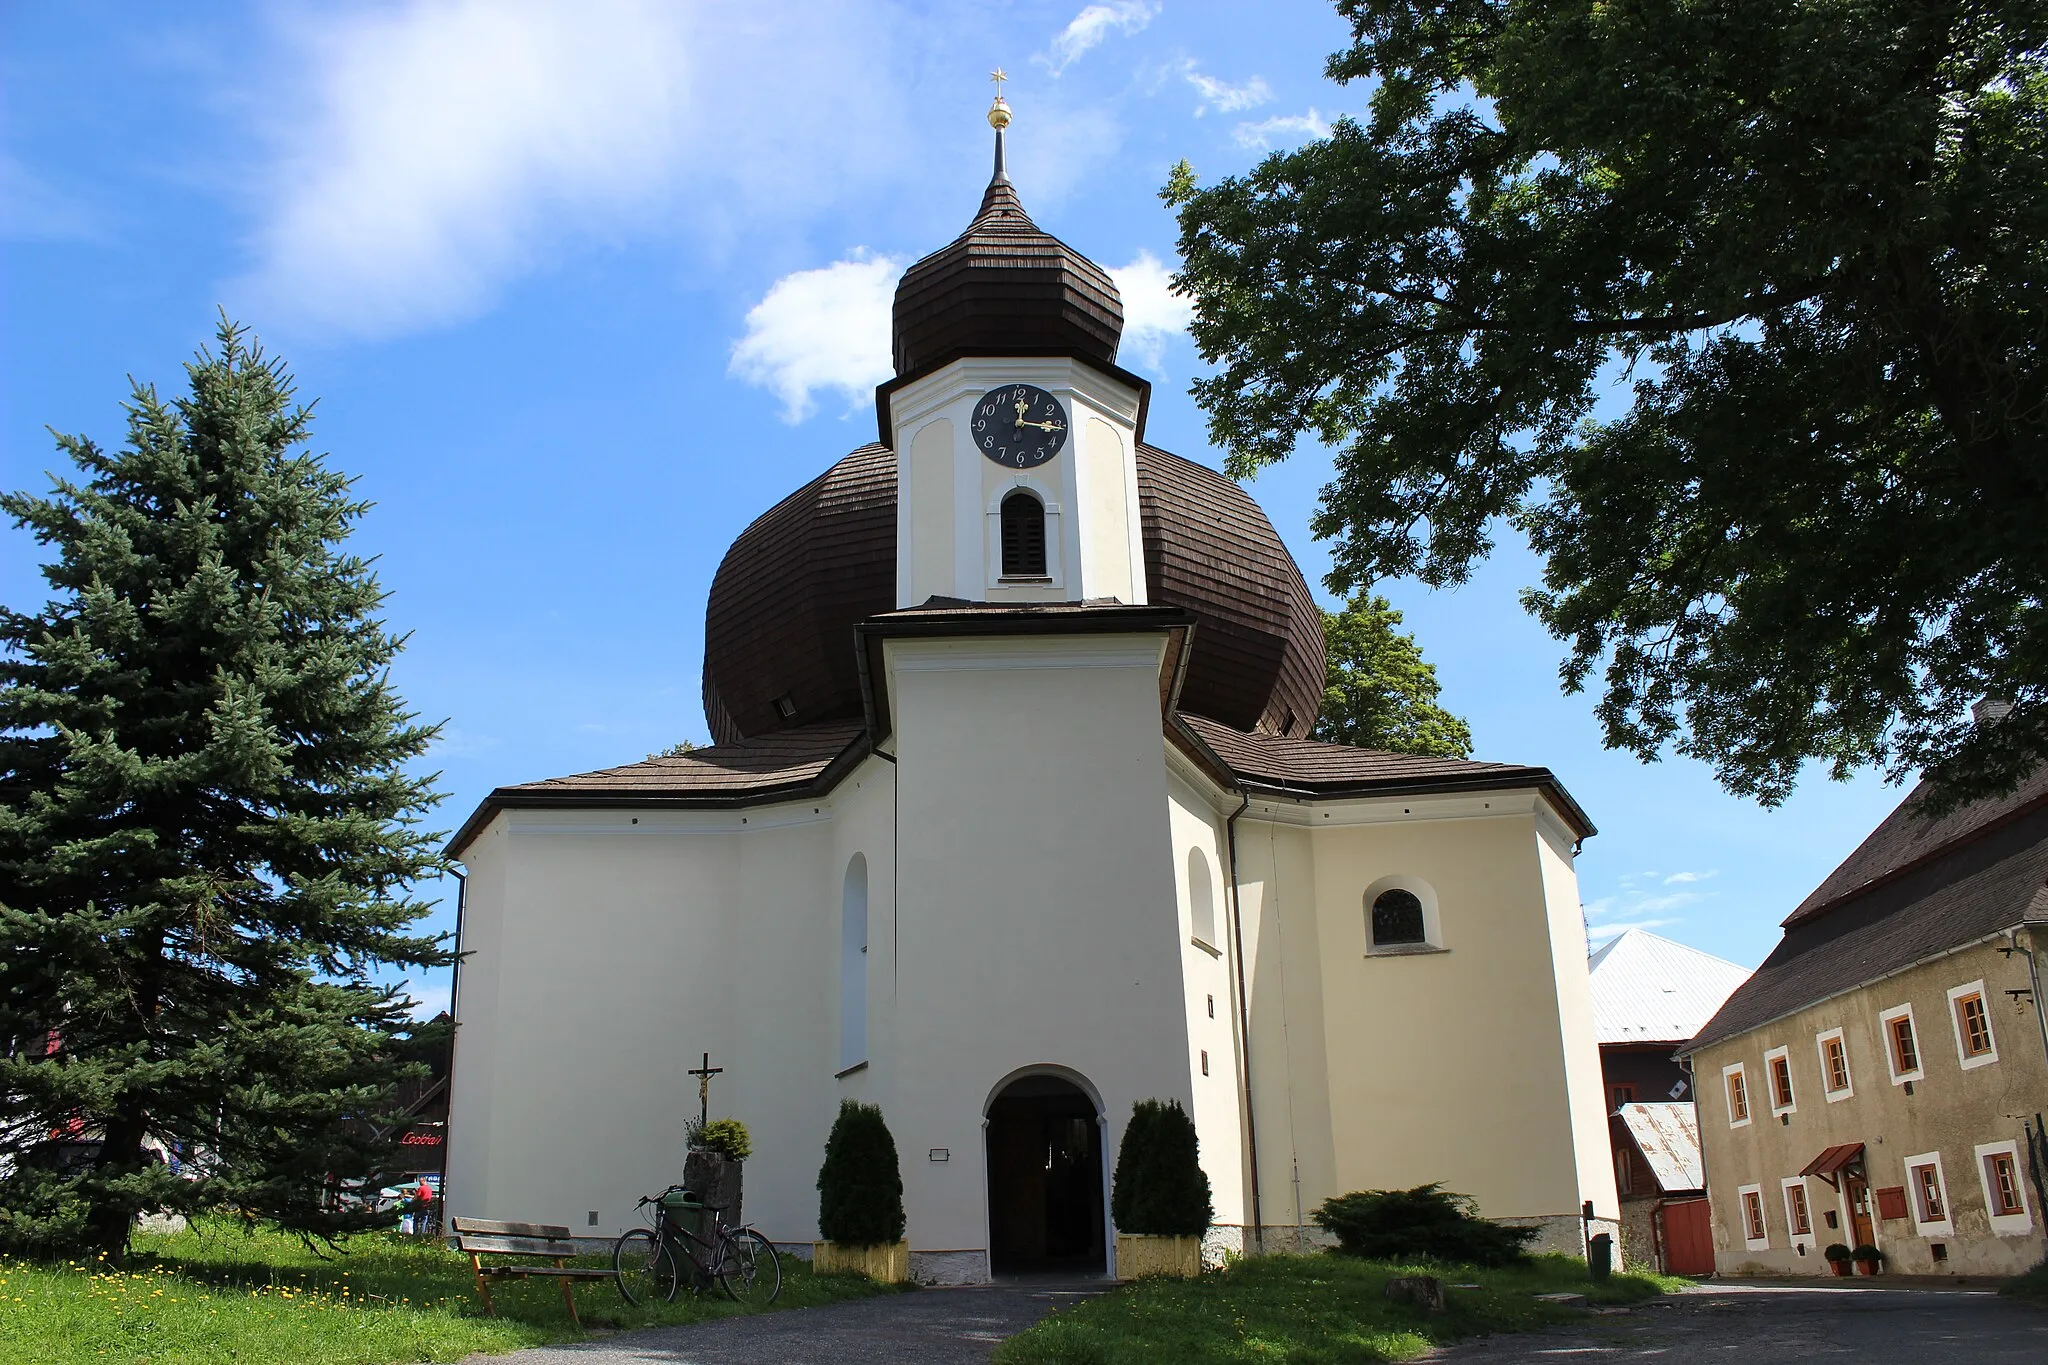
(1011, 821)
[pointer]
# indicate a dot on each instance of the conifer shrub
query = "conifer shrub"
(1160, 1188)
(1427, 1223)
(860, 1187)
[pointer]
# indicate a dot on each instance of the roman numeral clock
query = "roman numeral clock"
(1019, 426)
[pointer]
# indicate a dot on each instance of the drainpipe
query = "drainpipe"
(1244, 1023)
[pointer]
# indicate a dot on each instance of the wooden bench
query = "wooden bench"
(479, 1237)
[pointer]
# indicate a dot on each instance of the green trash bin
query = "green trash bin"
(1600, 1255)
(683, 1210)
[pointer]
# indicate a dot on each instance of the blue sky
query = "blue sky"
(582, 288)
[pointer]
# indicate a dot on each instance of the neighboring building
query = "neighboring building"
(1650, 995)
(1880, 1078)
(1010, 822)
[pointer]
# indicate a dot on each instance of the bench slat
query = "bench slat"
(489, 1228)
(574, 1272)
(516, 1246)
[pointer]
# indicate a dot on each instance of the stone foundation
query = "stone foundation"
(949, 1267)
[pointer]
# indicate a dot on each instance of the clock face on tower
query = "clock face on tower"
(1018, 426)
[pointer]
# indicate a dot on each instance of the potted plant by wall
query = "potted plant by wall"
(1869, 1260)
(1159, 1196)
(1838, 1257)
(860, 1199)
(711, 1169)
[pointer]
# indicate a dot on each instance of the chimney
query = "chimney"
(1990, 709)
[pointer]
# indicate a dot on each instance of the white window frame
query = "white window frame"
(2004, 1224)
(1820, 1047)
(1891, 1057)
(1791, 1105)
(1955, 1023)
(1728, 1096)
(1432, 925)
(1785, 1187)
(1944, 1226)
(1743, 1194)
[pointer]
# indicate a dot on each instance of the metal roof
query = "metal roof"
(1667, 1133)
(1647, 989)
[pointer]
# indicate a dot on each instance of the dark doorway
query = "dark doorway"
(1044, 1179)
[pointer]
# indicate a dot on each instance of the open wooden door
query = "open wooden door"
(1688, 1238)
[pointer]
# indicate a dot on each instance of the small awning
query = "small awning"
(1834, 1159)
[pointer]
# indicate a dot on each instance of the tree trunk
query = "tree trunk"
(112, 1219)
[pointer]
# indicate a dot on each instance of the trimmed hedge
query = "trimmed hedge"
(1427, 1223)
(1160, 1187)
(860, 1187)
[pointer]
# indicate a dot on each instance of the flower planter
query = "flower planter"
(1841, 1268)
(887, 1263)
(1140, 1255)
(1867, 1267)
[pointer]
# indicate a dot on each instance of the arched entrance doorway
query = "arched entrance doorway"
(1044, 1179)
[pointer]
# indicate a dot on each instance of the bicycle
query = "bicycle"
(648, 1261)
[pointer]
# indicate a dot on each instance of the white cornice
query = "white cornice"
(973, 376)
(653, 820)
(983, 654)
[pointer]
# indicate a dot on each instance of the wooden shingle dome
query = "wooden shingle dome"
(1004, 287)
(779, 647)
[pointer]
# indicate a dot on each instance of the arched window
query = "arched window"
(1202, 897)
(1023, 536)
(853, 965)
(1397, 919)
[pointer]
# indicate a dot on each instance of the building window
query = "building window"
(1023, 517)
(853, 964)
(1397, 919)
(1834, 1066)
(1974, 1043)
(1754, 1235)
(1778, 1065)
(1797, 1217)
(1929, 1193)
(1618, 1095)
(2005, 1196)
(1201, 898)
(1737, 1081)
(1901, 1044)
(1624, 1172)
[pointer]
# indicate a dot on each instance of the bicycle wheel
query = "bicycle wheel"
(749, 1269)
(645, 1267)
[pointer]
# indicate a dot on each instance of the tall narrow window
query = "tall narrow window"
(1738, 1095)
(1779, 1067)
(1974, 1043)
(1927, 1185)
(853, 965)
(1201, 898)
(1901, 1044)
(1753, 1216)
(2002, 1181)
(1797, 1218)
(1834, 1065)
(1023, 536)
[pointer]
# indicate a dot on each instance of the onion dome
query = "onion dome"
(779, 646)
(1004, 287)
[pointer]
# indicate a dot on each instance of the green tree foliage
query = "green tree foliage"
(727, 1137)
(208, 836)
(1426, 1223)
(1159, 1186)
(1812, 235)
(860, 1187)
(1380, 693)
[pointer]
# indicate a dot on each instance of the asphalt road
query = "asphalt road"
(1722, 1324)
(1765, 1325)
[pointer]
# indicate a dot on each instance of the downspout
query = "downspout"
(1244, 1023)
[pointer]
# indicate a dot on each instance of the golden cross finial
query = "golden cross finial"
(999, 76)
(999, 108)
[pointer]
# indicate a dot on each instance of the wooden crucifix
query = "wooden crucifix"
(704, 1074)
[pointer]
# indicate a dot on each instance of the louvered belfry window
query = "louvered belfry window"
(1023, 536)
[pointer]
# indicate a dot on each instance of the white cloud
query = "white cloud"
(1153, 313)
(820, 330)
(1678, 877)
(1280, 128)
(1224, 98)
(1088, 28)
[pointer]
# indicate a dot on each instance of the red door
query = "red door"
(1688, 1240)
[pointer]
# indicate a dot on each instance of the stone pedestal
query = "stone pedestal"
(715, 1180)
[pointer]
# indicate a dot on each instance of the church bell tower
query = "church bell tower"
(1014, 430)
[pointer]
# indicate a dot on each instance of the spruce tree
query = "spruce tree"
(209, 839)
(860, 1186)
(1159, 1187)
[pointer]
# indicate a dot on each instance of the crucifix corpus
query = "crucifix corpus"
(704, 1074)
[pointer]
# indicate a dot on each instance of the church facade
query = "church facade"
(1011, 821)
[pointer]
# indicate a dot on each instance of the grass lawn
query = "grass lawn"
(215, 1293)
(1307, 1310)
(2031, 1287)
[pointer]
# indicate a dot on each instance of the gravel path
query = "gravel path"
(1767, 1325)
(921, 1327)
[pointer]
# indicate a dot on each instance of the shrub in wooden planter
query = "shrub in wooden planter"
(860, 1198)
(1159, 1195)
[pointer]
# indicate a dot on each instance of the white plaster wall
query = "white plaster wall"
(1218, 1109)
(925, 562)
(1584, 1088)
(1112, 555)
(1038, 916)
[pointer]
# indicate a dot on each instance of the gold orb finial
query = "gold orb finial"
(999, 110)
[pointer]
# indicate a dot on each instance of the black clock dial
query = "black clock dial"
(1018, 426)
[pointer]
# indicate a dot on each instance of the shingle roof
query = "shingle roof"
(1667, 1133)
(1309, 768)
(1648, 989)
(1988, 879)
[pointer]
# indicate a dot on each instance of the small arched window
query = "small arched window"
(853, 964)
(1023, 536)
(1202, 897)
(1397, 919)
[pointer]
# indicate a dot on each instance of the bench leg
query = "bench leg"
(483, 1288)
(568, 1295)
